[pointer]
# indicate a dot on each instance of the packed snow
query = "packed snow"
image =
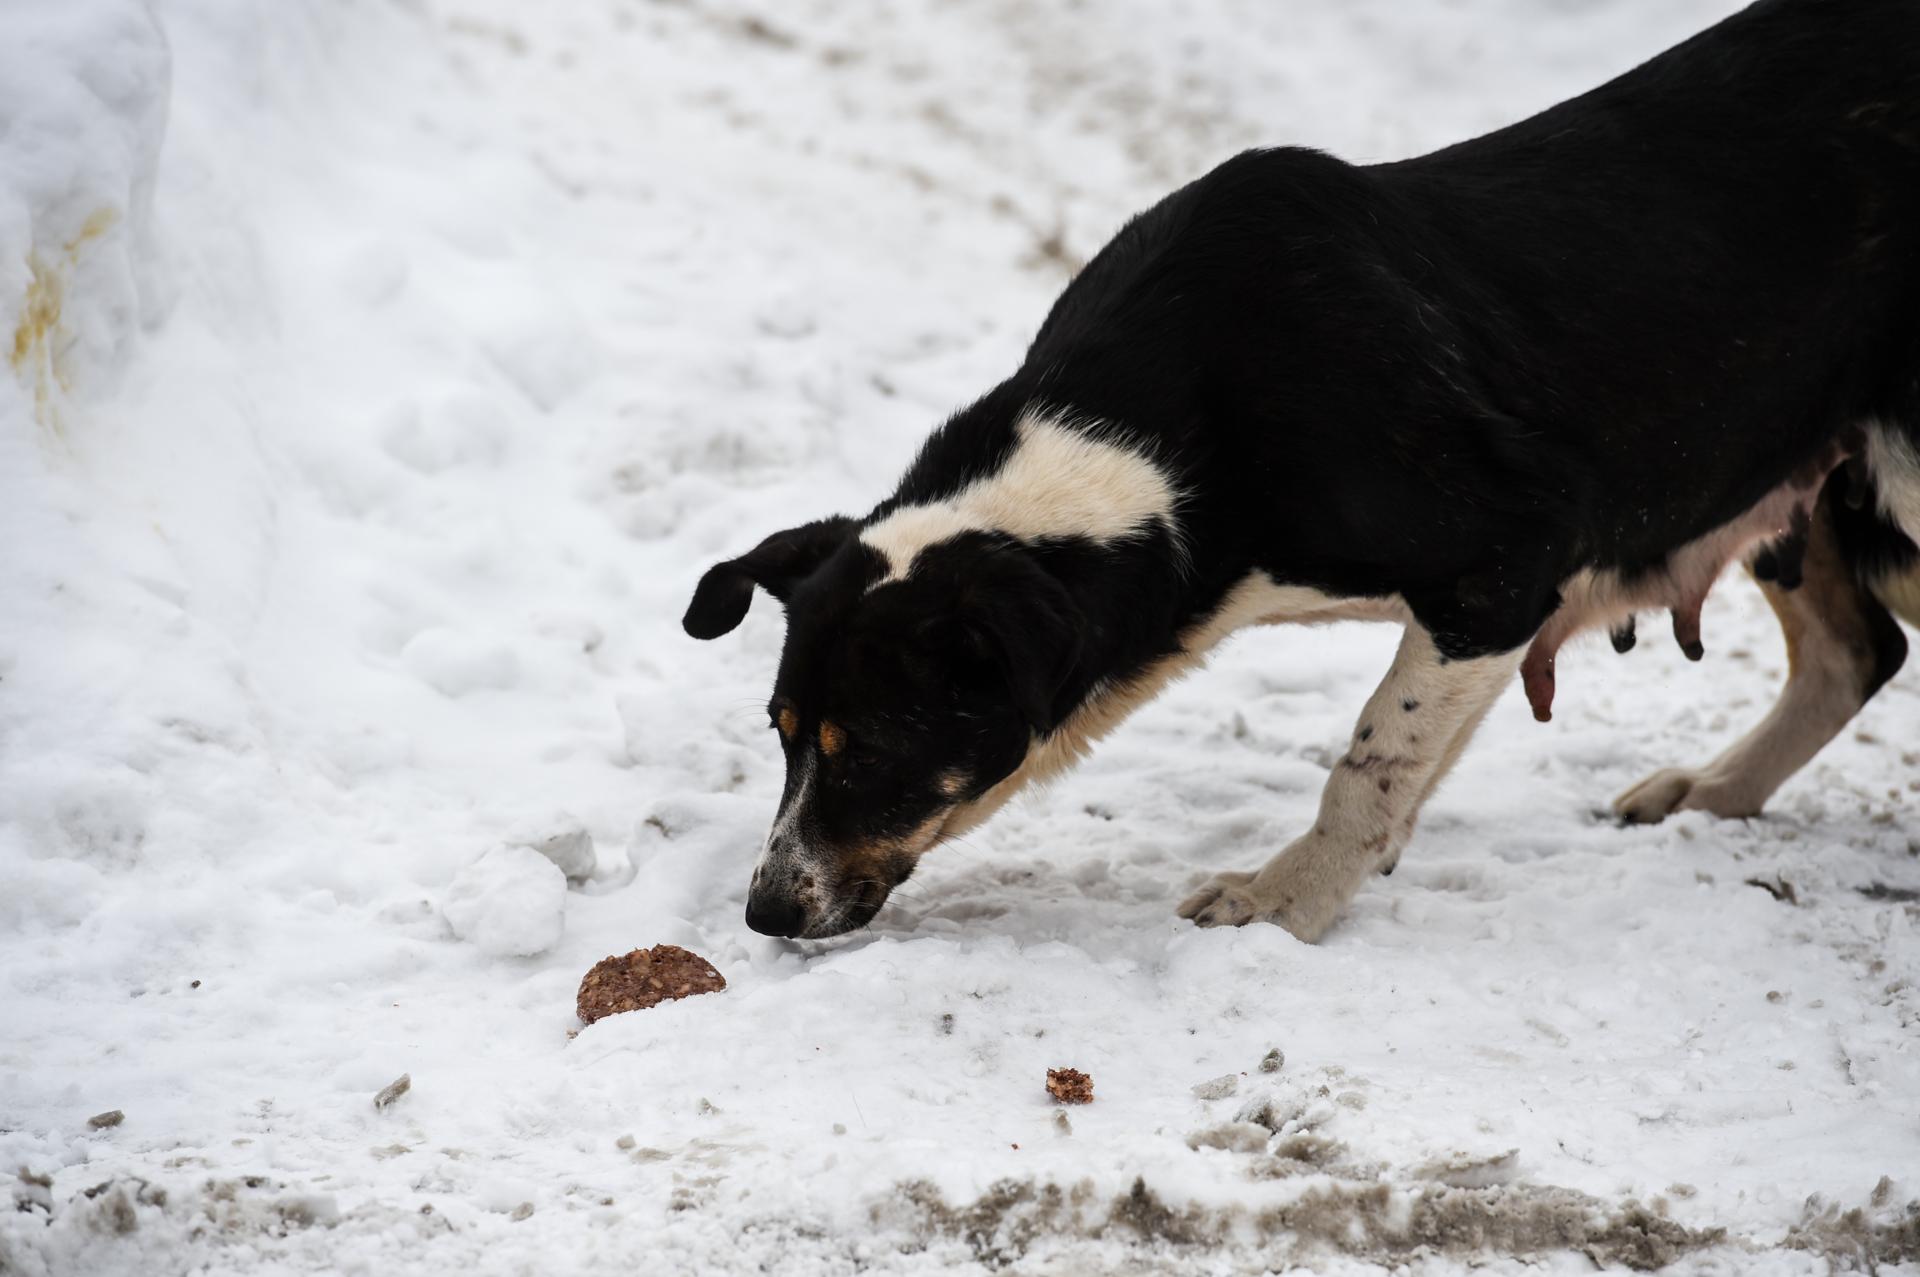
(382, 377)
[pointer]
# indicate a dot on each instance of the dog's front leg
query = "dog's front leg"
(1414, 727)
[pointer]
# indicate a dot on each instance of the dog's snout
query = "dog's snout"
(775, 912)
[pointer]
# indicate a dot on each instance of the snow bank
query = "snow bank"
(83, 102)
(83, 92)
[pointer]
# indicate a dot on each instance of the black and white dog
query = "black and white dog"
(1527, 385)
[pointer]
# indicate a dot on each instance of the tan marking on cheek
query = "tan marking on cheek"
(953, 784)
(833, 739)
(873, 861)
(789, 722)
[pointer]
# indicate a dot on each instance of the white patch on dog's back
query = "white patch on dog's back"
(1060, 480)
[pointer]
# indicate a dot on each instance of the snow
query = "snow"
(510, 903)
(391, 407)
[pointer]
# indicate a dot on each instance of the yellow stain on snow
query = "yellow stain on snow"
(39, 340)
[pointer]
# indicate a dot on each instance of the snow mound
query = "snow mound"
(510, 903)
(83, 98)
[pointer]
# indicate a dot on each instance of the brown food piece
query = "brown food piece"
(1070, 1086)
(645, 978)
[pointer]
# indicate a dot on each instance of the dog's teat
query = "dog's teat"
(1536, 676)
(1686, 626)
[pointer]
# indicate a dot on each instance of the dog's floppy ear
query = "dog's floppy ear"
(776, 565)
(1024, 625)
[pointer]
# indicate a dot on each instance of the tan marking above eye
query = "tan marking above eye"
(833, 739)
(789, 721)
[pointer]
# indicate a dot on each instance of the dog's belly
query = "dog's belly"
(1259, 600)
(1592, 598)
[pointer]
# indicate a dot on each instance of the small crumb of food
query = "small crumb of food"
(644, 978)
(1070, 1086)
(101, 1121)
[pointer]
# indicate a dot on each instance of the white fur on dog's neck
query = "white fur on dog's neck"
(1062, 479)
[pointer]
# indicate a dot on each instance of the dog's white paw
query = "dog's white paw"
(1674, 789)
(1218, 900)
(1235, 899)
(1655, 798)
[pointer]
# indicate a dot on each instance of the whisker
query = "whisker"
(915, 896)
(962, 841)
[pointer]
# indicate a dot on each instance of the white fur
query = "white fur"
(1060, 480)
(1896, 474)
(1410, 734)
(786, 852)
(1260, 600)
(792, 864)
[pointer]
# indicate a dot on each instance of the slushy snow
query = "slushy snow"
(381, 379)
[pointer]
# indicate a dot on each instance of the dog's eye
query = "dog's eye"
(854, 752)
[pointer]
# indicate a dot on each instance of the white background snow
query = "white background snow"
(382, 376)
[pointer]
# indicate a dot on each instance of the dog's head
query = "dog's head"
(902, 699)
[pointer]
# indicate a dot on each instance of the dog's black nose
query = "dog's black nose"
(776, 915)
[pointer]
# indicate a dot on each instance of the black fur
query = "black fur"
(776, 565)
(1581, 341)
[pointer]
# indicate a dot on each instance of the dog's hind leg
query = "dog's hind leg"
(1886, 549)
(1900, 591)
(1412, 730)
(1842, 645)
